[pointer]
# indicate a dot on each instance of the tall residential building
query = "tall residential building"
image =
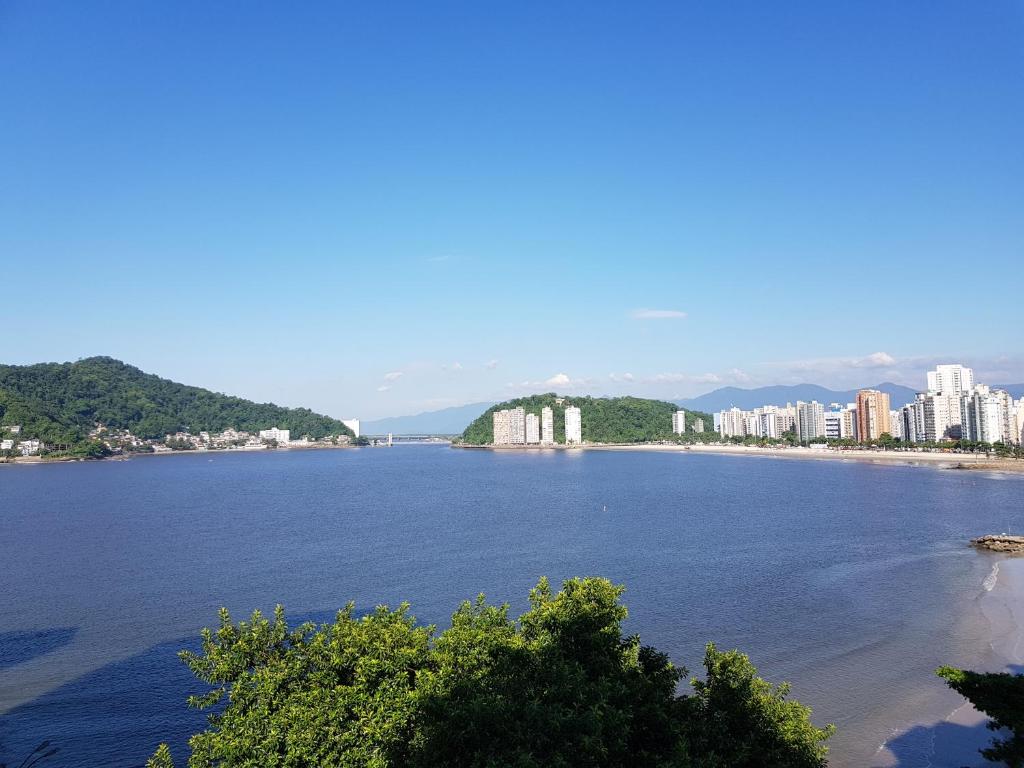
(517, 426)
(510, 427)
(840, 423)
(679, 422)
(896, 424)
(911, 418)
(1018, 429)
(698, 424)
(352, 424)
(732, 423)
(573, 426)
(532, 429)
(988, 415)
(810, 421)
(950, 379)
(501, 428)
(547, 426)
(872, 415)
(942, 416)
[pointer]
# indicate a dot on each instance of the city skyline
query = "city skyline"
(410, 208)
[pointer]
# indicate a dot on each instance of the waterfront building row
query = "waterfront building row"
(953, 407)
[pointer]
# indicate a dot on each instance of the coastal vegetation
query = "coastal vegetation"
(60, 403)
(560, 686)
(1000, 695)
(604, 419)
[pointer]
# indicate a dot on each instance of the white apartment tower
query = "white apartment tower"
(679, 422)
(510, 427)
(810, 421)
(573, 426)
(950, 379)
(501, 428)
(532, 429)
(547, 426)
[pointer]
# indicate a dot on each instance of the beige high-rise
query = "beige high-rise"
(872, 415)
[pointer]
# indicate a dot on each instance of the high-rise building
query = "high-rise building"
(573, 425)
(942, 416)
(501, 428)
(510, 427)
(352, 424)
(732, 423)
(950, 379)
(839, 422)
(872, 415)
(810, 421)
(698, 424)
(532, 428)
(896, 424)
(679, 422)
(988, 415)
(1018, 429)
(517, 426)
(547, 426)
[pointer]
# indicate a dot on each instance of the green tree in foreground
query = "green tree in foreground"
(560, 687)
(1001, 697)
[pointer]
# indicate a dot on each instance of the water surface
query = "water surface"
(850, 580)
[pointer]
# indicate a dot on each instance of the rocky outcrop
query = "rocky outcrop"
(1000, 542)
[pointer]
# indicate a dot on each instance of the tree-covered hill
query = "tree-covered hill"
(61, 402)
(604, 419)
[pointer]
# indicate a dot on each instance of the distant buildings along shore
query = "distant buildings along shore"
(952, 407)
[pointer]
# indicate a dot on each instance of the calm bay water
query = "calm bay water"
(850, 580)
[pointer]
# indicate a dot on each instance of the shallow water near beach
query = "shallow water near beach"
(852, 581)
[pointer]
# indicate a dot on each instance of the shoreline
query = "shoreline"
(956, 738)
(957, 461)
(38, 460)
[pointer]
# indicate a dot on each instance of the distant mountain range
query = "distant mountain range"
(452, 421)
(728, 397)
(447, 421)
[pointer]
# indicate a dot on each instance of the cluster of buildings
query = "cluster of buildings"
(514, 426)
(123, 441)
(11, 442)
(953, 407)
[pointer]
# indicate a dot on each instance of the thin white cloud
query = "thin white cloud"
(657, 314)
(491, 365)
(393, 375)
(383, 388)
(438, 259)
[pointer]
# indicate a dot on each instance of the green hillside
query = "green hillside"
(61, 402)
(604, 419)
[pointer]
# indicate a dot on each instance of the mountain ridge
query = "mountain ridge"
(61, 402)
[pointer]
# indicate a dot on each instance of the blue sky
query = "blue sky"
(379, 209)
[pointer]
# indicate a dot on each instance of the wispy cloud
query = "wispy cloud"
(657, 314)
(383, 388)
(491, 365)
(438, 259)
(393, 375)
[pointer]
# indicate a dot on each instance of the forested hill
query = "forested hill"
(61, 402)
(604, 419)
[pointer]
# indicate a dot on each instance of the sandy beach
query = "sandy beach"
(954, 740)
(919, 458)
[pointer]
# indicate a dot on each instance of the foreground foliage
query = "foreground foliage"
(559, 687)
(60, 402)
(1001, 697)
